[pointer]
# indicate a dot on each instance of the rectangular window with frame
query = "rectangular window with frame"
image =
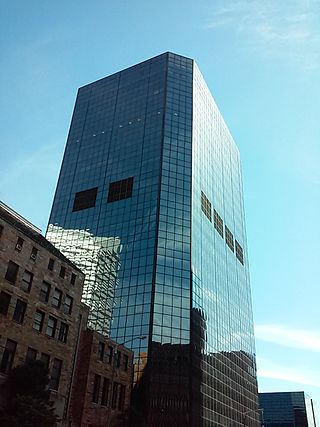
(55, 374)
(73, 279)
(19, 244)
(51, 264)
(34, 253)
(12, 272)
(31, 354)
(114, 395)
(118, 359)
(51, 326)
(206, 206)
(68, 302)
(62, 273)
(1, 230)
(8, 356)
(45, 292)
(96, 389)
(218, 222)
(110, 354)
(239, 252)
(85, 199)
(27, 279)
(120, 190)
(229, 238)
(45, 359)
(56, 298)
(4, 302)
(125, 362)
(38, 320)
(105, 392)
(19, 311)
(63, 332)
(101, 347)
(122, 396)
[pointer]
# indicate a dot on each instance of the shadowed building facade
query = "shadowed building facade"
(151, 170)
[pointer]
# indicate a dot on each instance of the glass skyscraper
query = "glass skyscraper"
(151, 180)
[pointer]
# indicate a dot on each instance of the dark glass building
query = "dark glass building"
(149, 204)
(288, 409)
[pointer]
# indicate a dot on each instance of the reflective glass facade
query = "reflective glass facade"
(151, 180)
(288, 409)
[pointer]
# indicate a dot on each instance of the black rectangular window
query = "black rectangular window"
(1, 230)
(118, 359)
(73, 279)
(12, 272)
(206, 206)
(63, 332)
(62, 272)
(38, 321)
(101, 351)
(4, 302)
(218, 222)
(110, 354)
(45, 359)
(85, 199)
(125, 362)
(19, 311)
(105, 392)
(8, 356)
(229, 239)
(26, 281)
(56, 298)
(51, 327)
(55, 374)
(96, 388)
(120, 189)
(51, 264)
(68, 302)
(19, 244)
(31, 354)
(239, 252)
(122, 396)
(45, 292)
(114, 395)
(34, 253)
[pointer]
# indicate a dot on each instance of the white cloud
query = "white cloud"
(280, 30)
(298, 374)
(296, 338)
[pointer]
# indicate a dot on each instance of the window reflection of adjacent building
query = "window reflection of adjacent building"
(98, 258)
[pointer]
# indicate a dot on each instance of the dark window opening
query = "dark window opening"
(19, 311)
(31, 354)
(239, 252)
(63, 332)
(110, 354)
(12, 272)
(96, 388)
(101, 351)
(8, 356)
(4, 302)
(56, 298)
(38, 321)
(229, 239)
(45, 359)
(68, 301)
(51, 327)
(85, 199)
(44, 292)
(118, 359)
(1, 230)
(19, 244)
(55, 374)
(34, 253)
(62, 272)
(51, 264)
(218, 222)
(73, 279)
(120, 190)
(125, 362)
(122, 397)
(114, 395)
(26, 281)
(105, 392)
(206, 206)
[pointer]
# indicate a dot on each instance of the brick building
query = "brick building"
(103, 379)
(40, 294)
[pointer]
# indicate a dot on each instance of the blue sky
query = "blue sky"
(261, 60)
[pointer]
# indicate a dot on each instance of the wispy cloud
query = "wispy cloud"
(289, 29)
(298, 374)
(296, 338)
